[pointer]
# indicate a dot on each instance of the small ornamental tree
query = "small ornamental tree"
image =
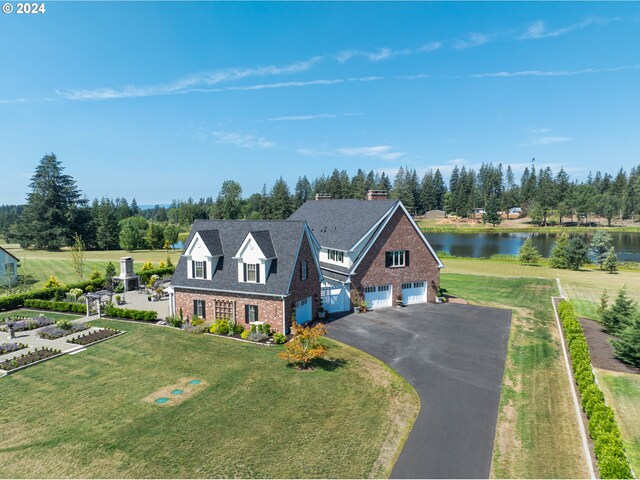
(95, 274)
(491, 214)
(147, 266)
(52, 282)
(109, 272)
(604, 303)
(628, 347)
(77, 256)
(528, 253)
(576, 253)
(559, 252)
(599, 247)
(305, 345)
(169, 262)
(610, 263)
(618, 316)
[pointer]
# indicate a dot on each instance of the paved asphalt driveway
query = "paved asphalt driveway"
(454, 357)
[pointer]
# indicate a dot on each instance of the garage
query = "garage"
(335, 298)
(378, 296)
(414, 292)
(303, 311)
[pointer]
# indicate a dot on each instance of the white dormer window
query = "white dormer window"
(198, 270)
(251, 272)
(336, 256)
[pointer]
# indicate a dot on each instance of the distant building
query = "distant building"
(435, 214)
(8, 268)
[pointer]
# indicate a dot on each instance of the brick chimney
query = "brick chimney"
(377, 195)
(323, 196)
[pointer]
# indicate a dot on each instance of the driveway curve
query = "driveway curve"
(454, 357)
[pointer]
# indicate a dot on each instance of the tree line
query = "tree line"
(56, 210)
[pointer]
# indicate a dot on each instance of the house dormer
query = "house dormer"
(203, 255)
(255, 257)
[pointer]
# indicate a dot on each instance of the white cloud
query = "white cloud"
(473, 40)
(298, 118)
(242, 140)
(547, 140)
(7, 101)
(384, 152)
(539, 28)
(429, 47)
(553, 73)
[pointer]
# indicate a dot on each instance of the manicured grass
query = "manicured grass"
(537, 433)
(622, 391)
(85, 415)
(25, 312)
(583, 287)
(40, 264)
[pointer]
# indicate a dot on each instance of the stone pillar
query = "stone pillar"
(86, 299)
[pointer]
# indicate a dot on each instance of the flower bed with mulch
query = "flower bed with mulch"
(29, 358)
(95, 336)
(53, 332)
(11, 347)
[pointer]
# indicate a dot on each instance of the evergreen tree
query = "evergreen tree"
(627, 348)
(280, 202)
(77, 257)
(428, 200)
(403, 190)
(603, 304)
(154, 236)
(303, 191)
(528, 253)
(491, 214)
(618, 316)
(546, 193)
(611, 261)
(599, 247)
(576, 253)
(134, 208)
(229, 201)
(132, 233)
(171, 233)
(47, 221)
(106, 225)
(558, 257)
(109, 273)
(439, 189)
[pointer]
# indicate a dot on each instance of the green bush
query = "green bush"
(127, 313)
(175, 321)
(221, 327)
(608, 446)
(145, 275)
(11, 302)
(279, 338)
(245, 334)
(238, 329)
(196, 320)
(266, 328)
(56, 306)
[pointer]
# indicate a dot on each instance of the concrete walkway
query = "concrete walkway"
(454, 357)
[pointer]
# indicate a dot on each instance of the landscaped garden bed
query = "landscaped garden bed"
(95, 336)
(11, 347)
(257, 333)
(29, 358)
(57, 331)
(27, 323)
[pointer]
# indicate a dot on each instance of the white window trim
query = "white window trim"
(336, 254)
(195, 269)
(255, 272)
(396, 255)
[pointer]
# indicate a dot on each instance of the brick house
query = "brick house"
(248, 271)
(370, 250)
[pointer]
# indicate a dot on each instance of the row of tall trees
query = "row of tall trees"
(56, 210)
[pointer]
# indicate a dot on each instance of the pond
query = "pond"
(482, 245)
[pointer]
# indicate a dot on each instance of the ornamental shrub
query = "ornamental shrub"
(127, 313)
(238, 329)
(56, 306)
(52, 282)
(257, 337)
(279, 338)
(220, 327)
(175, 321)
(266, 329)
(245, 334)
(196, 320)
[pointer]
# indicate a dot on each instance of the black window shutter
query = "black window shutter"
(195, 307)
(406, 258)
(204, 268)
(388, 259)
(246, 314)
(204, 309)
(257, 272)
(256, 311)
(193, 269)
(245, 271)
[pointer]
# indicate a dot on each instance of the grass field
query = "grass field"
(583, 287)
(40, 264)
(25, 312)
(85, 415)
(622, 391)
(537, 433)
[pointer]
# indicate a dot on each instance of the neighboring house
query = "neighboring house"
(515, 212)
(248, 271)
(435, 214)
(8, 268)
(372, 247)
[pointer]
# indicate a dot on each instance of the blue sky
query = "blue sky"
(166, 100)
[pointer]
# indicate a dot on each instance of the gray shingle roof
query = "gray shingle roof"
(341, 223)
(211, 239)
(283, 242)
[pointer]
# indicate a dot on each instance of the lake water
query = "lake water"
(482, 245)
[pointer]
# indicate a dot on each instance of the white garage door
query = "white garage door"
(335, 298)
(378, 296)
(414, 292)
(303, 310)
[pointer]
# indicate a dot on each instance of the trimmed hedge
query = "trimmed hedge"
(607, 442)
(127, 313)
(145, 275)
(56, 306)
(11, 302)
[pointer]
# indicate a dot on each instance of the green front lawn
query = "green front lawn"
(537, 433)
(85, 415)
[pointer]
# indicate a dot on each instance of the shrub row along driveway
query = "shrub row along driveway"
(454, 357)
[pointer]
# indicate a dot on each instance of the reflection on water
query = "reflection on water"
(482, 245)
